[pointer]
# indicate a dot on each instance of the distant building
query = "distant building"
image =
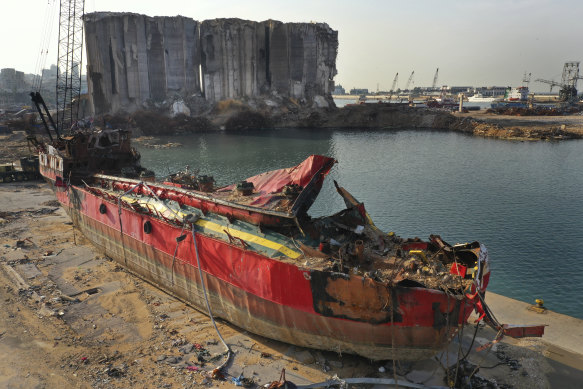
(12, 80)
(84, 88)
(50, 73)
(454, 90)
(491, 91)
(339, 90)
(357, 91)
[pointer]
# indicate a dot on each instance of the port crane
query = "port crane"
(393, 86)
(568, 82)
(526, 79)
(434, 85)
(394, 82)
(69, 58)
(409, 81)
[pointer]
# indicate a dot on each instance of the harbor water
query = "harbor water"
(523, 200)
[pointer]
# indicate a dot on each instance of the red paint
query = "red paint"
(459, 270)
(269, 279)
(414, 246)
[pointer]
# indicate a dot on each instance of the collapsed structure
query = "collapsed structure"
(133, 59)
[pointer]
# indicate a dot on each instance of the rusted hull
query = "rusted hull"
(269, 297)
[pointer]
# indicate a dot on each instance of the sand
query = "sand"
(123, 332)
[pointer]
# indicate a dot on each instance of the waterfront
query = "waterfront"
(521, 199)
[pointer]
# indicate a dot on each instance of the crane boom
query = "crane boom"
(410, 80)
(68, 70)
(434, 85)
(394, 82)
(69, 60)
(550, 82)
(568, 82)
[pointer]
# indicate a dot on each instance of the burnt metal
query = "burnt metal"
(443, 319)
(245, 188)
(331, 294)
(44, 114)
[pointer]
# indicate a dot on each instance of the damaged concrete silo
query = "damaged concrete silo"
(135, 59)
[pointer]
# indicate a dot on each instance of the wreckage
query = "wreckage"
(253, 253)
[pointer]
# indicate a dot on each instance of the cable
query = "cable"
(44, 45)
(208, 306)
(472, 344)
(178, 240)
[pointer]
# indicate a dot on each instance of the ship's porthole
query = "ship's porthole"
(147, 227)
(102, 209)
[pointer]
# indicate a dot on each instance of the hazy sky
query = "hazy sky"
(490, 42)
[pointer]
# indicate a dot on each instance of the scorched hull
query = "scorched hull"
(270, 297)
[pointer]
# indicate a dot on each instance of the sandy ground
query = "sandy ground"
(13, 147)
(70, 317)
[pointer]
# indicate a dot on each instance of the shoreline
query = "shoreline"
(133, 327)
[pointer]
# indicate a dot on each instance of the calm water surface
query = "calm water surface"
(523, 200)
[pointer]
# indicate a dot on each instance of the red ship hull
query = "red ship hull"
(270, 297)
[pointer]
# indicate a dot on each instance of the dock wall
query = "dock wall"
(137, 59)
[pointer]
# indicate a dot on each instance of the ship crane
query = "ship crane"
(409, 81)
(568, 82)
(434, 85)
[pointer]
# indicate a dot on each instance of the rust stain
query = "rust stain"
(354, 298)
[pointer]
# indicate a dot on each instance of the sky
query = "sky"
(473, 43)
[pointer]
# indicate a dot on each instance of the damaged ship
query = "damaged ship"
(335, 283)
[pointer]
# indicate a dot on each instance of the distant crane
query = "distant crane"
(568, 82)
(434, 85)
(394, 82)
(526, 79)
(393, 86)
(409, 81)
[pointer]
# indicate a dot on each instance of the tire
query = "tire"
(8, 179)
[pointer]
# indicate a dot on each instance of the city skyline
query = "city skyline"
(472, 43)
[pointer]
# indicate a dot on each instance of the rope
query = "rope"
(472, 344)
(208, 306)
(178, 240)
